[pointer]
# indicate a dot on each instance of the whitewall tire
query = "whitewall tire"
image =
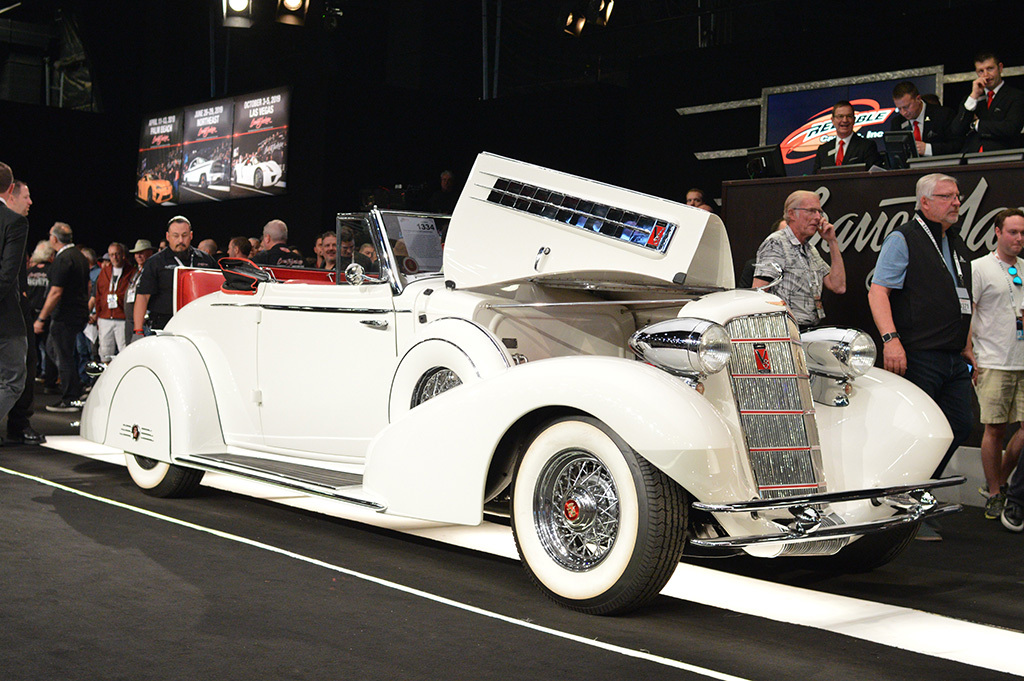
(160, 479)
(599, 528)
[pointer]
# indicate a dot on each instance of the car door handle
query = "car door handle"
(375, 323)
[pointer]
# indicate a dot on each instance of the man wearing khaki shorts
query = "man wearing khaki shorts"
(997, 342)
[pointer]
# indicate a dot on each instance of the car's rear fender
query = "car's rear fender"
(433, 462)
(156, 400)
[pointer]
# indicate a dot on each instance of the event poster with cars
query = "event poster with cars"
(225, 149)
(260, 142)
(206, 152)
(799, 121)
(159, 159)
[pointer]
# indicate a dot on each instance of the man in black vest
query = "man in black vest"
(920, 301)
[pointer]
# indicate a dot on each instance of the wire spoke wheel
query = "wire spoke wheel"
(599, 528)
(433, 383)
(578, 510)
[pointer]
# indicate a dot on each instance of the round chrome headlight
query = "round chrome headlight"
(683, 346)
(840, 353)
(862, 354)
(715, 348)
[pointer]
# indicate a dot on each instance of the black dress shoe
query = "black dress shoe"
(28, 436)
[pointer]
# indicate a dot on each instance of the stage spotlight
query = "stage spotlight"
(292, 11)
(597, 12)
(238, 13)
(603, 11)
(574, 23)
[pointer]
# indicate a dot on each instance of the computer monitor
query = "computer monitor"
(899, 147)
(998, 156)
(765, 162)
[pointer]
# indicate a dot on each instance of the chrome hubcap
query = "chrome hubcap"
(576, 510)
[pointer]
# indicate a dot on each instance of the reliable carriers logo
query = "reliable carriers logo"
(801, 144)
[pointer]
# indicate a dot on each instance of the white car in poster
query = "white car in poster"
(510, 380)
(258, 174)
(203, 173)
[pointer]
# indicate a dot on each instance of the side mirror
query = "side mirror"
(355, 274)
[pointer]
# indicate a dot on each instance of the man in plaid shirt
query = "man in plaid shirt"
(803, 269)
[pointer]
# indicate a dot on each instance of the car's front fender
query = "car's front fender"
(432, 463)
(156, 400)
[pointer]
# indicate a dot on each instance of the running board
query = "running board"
(311, 479)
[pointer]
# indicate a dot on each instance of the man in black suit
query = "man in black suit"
(13, 342)
(929, 123)
(993, 114)
(848, 148)
(19, 430)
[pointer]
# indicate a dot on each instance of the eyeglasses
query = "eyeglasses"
(1016, 277)
(949, 197)
(817, 211)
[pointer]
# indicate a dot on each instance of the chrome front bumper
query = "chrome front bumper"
(911, 503)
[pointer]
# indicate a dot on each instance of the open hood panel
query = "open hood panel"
(516, 222)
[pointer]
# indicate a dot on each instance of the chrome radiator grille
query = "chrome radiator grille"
(772, 388)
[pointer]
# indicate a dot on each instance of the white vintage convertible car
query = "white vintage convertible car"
(574, 353)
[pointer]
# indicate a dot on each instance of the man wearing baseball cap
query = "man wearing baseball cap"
(143, 249)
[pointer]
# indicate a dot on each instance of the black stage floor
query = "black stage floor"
(98, 581)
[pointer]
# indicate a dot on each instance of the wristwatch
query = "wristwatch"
(886, 337)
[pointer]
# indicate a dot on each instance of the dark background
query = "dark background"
(394, 93)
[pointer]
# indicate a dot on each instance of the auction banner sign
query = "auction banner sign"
(799, 117)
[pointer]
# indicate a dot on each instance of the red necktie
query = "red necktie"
(917, 132)
(988, 105)
(839, 154)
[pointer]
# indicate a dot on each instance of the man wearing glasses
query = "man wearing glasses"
(848, 148)
(804, 272)
(997, 341)
(921, 303)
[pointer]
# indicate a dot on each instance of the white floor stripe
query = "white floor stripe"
(629, 652)
(904, 628)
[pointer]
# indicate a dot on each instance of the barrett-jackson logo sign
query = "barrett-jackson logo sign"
(801, 144)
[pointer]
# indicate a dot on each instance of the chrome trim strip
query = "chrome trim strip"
(305, 308)
(756, 505)
(831, 532)
(592, 303)
(314, 308)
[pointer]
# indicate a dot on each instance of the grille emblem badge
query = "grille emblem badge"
(761, 358)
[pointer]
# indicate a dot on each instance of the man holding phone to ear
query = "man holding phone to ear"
(804, 272)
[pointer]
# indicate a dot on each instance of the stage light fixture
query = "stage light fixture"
(238, 13)
(292, 11)
(597, 12)
(574, 23)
